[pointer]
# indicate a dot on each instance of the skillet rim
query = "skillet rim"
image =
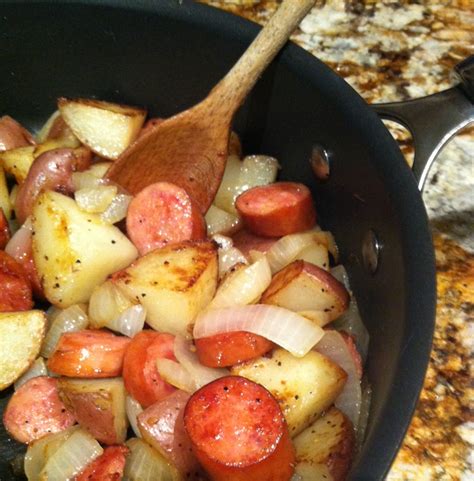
(417, 246)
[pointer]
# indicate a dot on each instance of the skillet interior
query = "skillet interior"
(166, 56)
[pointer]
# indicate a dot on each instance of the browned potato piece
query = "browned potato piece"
(106, 128)
(55, 128)
(325, 447)
(98, 405)
(302, 286)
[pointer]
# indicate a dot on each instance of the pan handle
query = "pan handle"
(435, 119)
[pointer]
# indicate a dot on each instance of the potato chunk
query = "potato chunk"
(325, 446)
(173, 283)
(74, 251)
(304, 386)
(22, 334)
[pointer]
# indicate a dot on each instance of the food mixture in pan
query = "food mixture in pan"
(174, 346)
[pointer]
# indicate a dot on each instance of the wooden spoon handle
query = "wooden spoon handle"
(231, 91)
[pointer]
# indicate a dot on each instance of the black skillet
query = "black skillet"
(166, 55)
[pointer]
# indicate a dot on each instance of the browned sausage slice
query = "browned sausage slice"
(13, 135)
(163, 213)
(277, 209)
(35, 410)
(238, 432)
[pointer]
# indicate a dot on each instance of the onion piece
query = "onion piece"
(227, 192)
(95, 199)
(71, 319)
(289, 330)
(333, 346)
(173, 373)
(364, 411)
(16, 246)
(71, 457)
(130, 322)
(228, 255)
(117, 210)
(38, 368)
(244, 287)
(257, 170)
(85, 180)
(221, 222)
(146, 464)
(200, 374)
(133, 409)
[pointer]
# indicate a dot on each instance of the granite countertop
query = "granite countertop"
(395, 50)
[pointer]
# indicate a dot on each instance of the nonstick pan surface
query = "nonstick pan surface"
(166, 56)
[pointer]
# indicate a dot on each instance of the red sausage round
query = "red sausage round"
(15, 292)
(238, 432)
(35, 410)
(229, 348)
(108, 466)
(277, 209)
(163, 213)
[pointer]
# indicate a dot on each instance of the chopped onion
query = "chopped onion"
(69, 320)
(19, 244)
(245, 286)
(130, 322)
(285, 328)
(228, 255)
(95, 199)
(117, 209)
(146, 464)
(350, 321)
(85, 180)
(221, 222)
(39, 452)
(200, 374)
(257, 170)
(228, 189)
(133, 409)
(38, 368)
(173, 373)
(99, 169)
(71, 457)
(333, 346)
(223, 242)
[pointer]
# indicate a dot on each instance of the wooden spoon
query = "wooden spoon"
(190, 148)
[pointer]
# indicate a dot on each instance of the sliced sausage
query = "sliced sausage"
(162, 426)
(163, 213)
(4, 230)
(15, 292)
(238, 432)
(108, 466)
(140, 375)
(229, 348)
(277, 209)
(13, 135)
(51, 170)
(36, 410)
(89, 354)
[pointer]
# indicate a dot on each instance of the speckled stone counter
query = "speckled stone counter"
(395, 50)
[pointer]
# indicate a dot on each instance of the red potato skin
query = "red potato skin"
(13, 135)
(162, 426)
(277, 209)
(51, 170)
(246, 242)
(108, 466)
(15, 292)
(36, 410)
(227, 349)
(140, 375)
(4, 230)
(163, 213)
(238, 432)
(356, 357)
(89, 354)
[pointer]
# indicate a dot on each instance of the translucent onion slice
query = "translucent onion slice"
(257, 170)
(221, 222)
(133, 409)
(17, 245)
(130, 322)
(228, 255)
(38, 368)
(71, 457)
(175, 374)
(39, 452)
(117, 209)
(146, 464)
(85, 180)
(245, 287)
(71, 319)
(95, 199)
(333, 346)
(289, 330)
(200, 374)
(223, 242)
(228, 189)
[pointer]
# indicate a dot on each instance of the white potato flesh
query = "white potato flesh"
(5, 204)
(173, 283)
(74, 251)
(106, 128)
(304, 387)
(17, 162)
